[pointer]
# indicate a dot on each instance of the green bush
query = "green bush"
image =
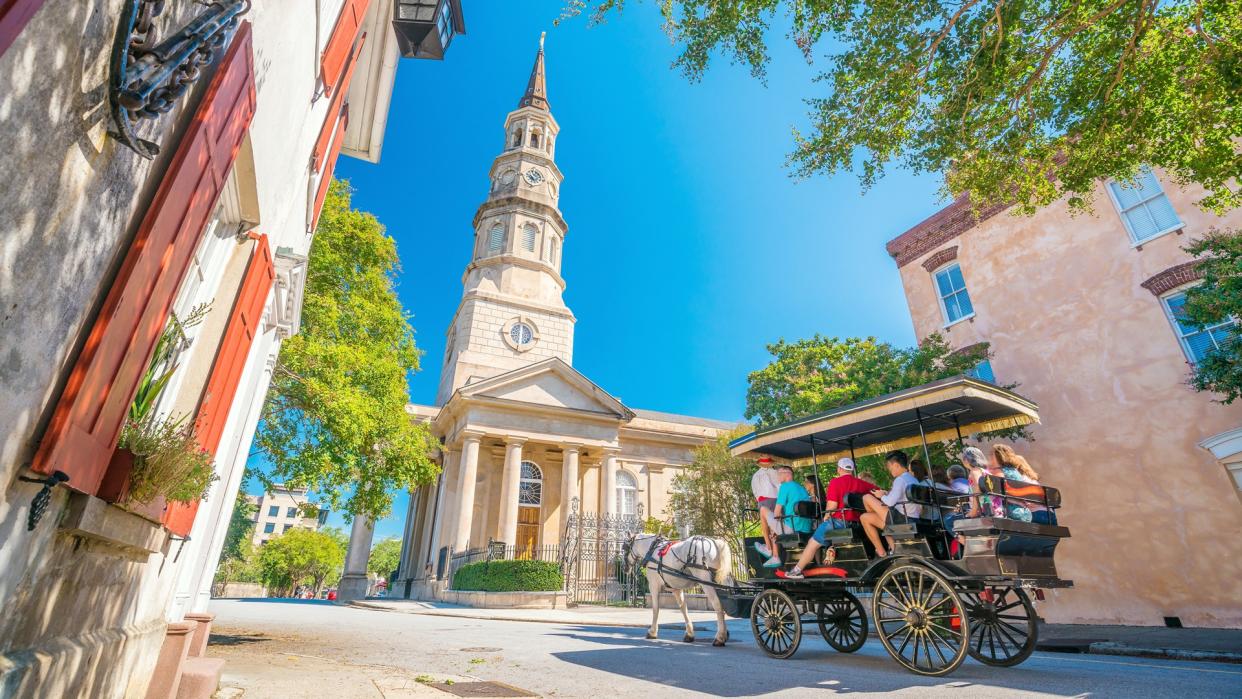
(510, 576)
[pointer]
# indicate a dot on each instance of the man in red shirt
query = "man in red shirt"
(838, 488)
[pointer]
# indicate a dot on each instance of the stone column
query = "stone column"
(509, 486)
(608, 496)
(569, 483)
(469, 471)
(354, 582)
(442, 513)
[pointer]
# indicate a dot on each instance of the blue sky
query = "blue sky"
(690, 247)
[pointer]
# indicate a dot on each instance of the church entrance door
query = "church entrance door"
(527, 531)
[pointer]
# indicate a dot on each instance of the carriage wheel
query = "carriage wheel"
(843, 623)
(776, 622)
(921, 620)
(1003, 628)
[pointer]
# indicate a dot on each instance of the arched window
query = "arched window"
(517, 138)
(534, 139)
(529, 234)
(530, 487)
(627, 494)
(555, 252)
(547, 145)
(496, 239)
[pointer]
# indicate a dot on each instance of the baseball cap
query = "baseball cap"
(765, 459)
(846, 464)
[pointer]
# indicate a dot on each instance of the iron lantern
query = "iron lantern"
(425, 28)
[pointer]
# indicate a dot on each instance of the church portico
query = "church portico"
(524, 434)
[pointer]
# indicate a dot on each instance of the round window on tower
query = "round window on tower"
(520, 334)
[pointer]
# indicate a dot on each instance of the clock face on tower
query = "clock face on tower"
(533, 177)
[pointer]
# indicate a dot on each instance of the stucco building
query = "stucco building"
(1081, 311)
(281, 509)
(524, 433)
(144, 184)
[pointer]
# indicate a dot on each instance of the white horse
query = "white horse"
(700, 558)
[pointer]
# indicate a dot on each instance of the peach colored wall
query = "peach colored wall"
(1155, 518)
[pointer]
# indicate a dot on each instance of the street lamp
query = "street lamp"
(425, 28)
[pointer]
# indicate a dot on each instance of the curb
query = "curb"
(1112, 648)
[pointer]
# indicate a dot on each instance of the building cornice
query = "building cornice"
(514, 261)
(938, 229)
(491, 205)
(515, 302)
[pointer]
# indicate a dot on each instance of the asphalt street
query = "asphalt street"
(594, 661)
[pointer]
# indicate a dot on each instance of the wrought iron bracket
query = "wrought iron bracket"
(147, 78)
(39, 503)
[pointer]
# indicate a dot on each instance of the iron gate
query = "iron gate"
(594, 563)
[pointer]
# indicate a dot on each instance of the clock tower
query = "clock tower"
(511, 312)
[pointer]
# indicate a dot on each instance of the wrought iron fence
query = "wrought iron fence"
(592, 559)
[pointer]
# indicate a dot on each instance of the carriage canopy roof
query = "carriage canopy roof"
(945, 408)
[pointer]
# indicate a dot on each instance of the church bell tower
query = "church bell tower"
(511, 312)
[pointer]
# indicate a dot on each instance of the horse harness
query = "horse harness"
(663, 546)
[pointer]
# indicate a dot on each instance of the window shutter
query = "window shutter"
(496, 239)
(336, 53)
(226, 371)
(336, 109)
(87, 420)
(528, 238)
(14, 14)
(325, 180)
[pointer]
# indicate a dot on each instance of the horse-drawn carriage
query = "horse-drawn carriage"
(937, 597)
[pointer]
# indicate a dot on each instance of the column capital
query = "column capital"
(514, 441)
(611, 452)
(568, 447)
(472, 436)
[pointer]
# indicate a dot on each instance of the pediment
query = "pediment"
(550, 383)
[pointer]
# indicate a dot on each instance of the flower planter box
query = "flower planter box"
(115, 485)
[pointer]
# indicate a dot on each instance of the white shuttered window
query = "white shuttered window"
(1144, 207)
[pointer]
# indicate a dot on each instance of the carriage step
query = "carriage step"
(820, 572)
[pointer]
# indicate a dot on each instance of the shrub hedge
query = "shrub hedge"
(510, 576)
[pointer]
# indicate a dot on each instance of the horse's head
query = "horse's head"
(635, 548)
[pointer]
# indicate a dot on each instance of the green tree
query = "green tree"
(997, 94)
(385, 557)
(335, 416)
(301, 557)
(243, 567)
(820, 373)
(712, 495)
(1219, 296)
(241, 528)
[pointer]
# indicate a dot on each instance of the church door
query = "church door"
(527, 531)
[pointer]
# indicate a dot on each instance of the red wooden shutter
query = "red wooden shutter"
(14, 14)
(226, 371)
(325, 180)
(87, 421)
(332, 64)
(335, 107)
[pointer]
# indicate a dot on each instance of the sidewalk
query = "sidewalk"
(1219, 645)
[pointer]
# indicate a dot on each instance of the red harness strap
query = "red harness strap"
(664, 549)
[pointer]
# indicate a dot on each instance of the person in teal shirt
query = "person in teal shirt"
(787, 498)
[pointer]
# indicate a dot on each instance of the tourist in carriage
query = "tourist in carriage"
(764, 485)
(1016, 468)
(785, 518)
(837, 515)
(881, 504)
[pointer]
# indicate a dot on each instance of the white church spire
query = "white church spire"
(512, 313)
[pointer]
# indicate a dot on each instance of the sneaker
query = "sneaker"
(830, 555)
(773, 562)
(763, 549)
(794, 574)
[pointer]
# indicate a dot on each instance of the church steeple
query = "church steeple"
(512, 312)
(536, 88)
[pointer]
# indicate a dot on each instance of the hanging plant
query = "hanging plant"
(168, 462)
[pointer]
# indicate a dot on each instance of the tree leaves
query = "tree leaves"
(1016, 101)
(1219, 296)
(335, 418)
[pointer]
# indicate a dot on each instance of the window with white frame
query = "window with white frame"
(529, 234)
(1144, 207)
(983, 372)
(1198, 341)
(627, 494)
(496, 239)
(954, 299)
(530, 487)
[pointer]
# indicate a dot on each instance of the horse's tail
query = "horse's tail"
(724, 562)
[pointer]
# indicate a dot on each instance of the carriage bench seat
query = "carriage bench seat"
(992, 526)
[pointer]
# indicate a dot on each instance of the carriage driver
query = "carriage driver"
(764, 486)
